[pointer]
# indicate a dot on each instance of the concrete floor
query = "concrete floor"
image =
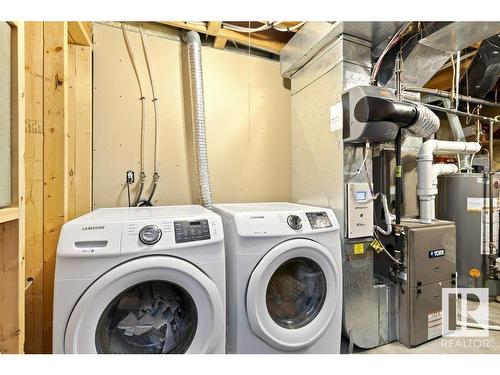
(462, 345)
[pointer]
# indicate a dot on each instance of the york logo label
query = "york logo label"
(96, 227)
(437, 253)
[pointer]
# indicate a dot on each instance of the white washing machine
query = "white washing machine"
(284, 278)
(140, 280)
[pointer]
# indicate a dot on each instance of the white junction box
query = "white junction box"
(359, 210)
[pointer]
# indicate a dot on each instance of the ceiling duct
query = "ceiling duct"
(424, 57)
(313, 37)
(484, 72)
(421, 62)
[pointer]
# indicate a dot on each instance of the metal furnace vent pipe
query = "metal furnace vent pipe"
(193, 41)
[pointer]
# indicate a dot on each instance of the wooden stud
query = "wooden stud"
(214, 27)
(10, 326)
(83, 146)
(79, 135)
(87, 26)
(78, 34)
(55, 121)
(219, 43)
(34, 185)
(9, 214)
(18, 89)
(71, 136)
(12, 235)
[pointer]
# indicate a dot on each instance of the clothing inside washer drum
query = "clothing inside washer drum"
(155, 317)
(296, 293)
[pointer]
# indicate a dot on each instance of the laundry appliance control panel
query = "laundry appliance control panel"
(285, 223)
(187, 231)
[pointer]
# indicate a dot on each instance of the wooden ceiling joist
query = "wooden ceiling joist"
(79, 33)
(213, 27)
(216, 30)
(219, 42)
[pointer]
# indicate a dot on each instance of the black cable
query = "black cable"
(398, 177)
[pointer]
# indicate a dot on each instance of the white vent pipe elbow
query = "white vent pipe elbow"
(428, 173)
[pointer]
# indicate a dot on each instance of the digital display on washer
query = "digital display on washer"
(318, 220)
(187, 231)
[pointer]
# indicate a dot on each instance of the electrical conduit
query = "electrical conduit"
(193, 41)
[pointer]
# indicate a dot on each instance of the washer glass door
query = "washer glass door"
(153, 304)
(152, 317)
(293, 293)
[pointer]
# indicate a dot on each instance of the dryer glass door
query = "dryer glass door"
(296, 293)
(154, 304)
(293, 294)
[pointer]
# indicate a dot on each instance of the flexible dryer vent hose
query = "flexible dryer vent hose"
(193, 41)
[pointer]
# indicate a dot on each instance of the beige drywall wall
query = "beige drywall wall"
(247, 112)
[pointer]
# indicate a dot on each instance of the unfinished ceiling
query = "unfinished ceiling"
(268, 36)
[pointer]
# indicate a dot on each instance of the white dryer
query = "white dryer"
(284, 278)
(140, 280)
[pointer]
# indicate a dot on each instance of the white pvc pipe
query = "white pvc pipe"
(440, 170)
(428, 173)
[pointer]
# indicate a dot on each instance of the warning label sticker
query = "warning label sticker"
(359, 248)
(434, 324)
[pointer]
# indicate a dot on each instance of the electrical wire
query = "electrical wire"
(363, 163)
(287, 29)
(399, 34)
(418, 34)
(265, 26)
(453, 93)
(156, 174)
(385, 250)
(142, 174)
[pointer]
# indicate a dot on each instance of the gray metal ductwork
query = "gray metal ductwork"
(485, 69)
(193, 41)
(421, 62)
(424, 57)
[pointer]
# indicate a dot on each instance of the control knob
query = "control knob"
(150, 234)
(294, 222)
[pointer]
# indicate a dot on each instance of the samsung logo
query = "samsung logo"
(256, 217)
(95, 227)
(437, 253)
